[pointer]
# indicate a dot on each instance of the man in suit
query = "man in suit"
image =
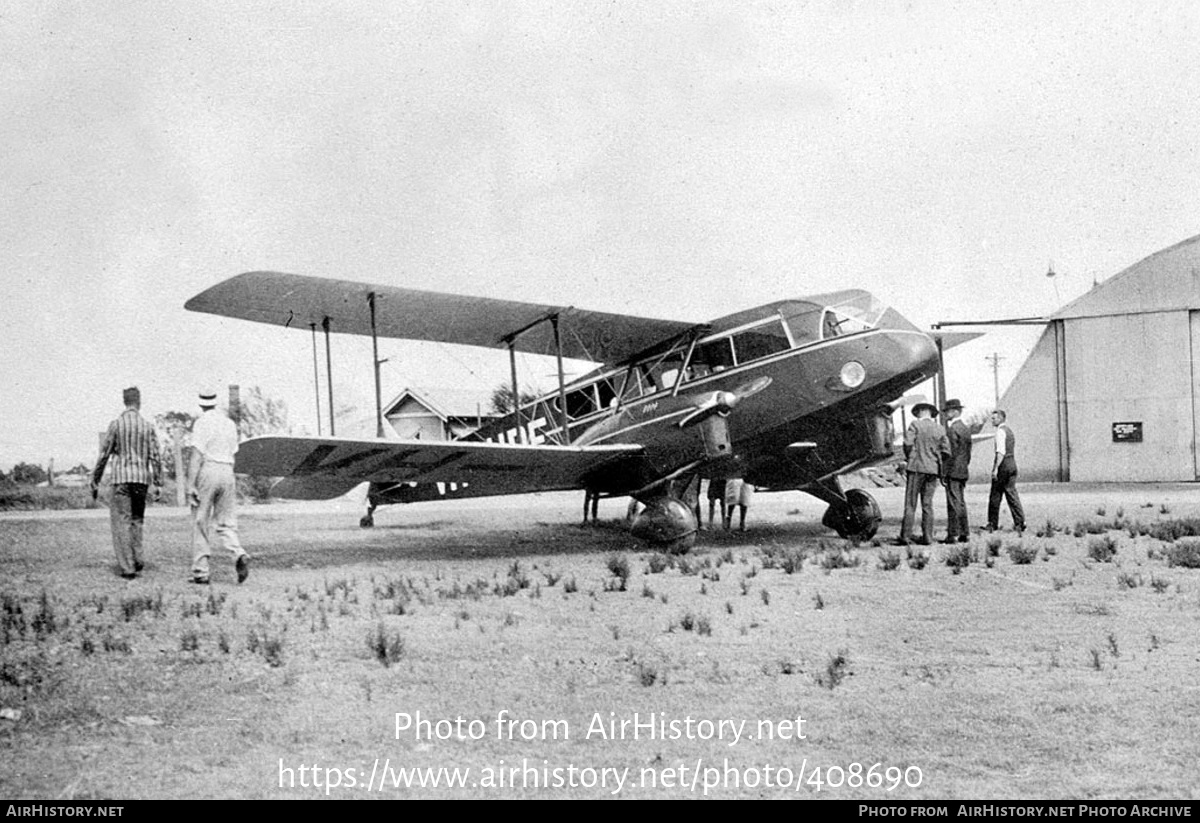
(956, 470)
(1004, 476)
(926, 449)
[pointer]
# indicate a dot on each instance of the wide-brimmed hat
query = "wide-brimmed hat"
(952, 404)
(929, 406)
(208, 398)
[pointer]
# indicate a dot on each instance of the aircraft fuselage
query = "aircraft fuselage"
(818, 375)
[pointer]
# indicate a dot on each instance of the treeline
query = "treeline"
(256, 414)
(28, 474)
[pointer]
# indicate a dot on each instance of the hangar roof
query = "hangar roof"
(1168, 280)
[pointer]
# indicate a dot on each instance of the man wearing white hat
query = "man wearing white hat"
(211, 488)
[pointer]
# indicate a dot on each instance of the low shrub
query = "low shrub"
(1171, 530)
(1102, 549)
(1022, 555)
(387, 645)
(835, 670)
(959, 557)
(889, 561)
(1185, 553)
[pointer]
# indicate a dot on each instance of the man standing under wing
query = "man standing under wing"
(1004, 476)
(956, 470)
(211, 488)
(132, 445)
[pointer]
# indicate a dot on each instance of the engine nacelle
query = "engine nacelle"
(666, 522)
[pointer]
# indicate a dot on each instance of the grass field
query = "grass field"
(1067, 676)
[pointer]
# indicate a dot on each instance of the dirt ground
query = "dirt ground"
(497, 648)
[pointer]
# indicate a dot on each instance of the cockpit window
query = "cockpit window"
(859, 313)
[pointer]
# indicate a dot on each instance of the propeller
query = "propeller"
(723, 402)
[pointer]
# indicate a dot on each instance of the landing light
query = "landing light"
(853, 374)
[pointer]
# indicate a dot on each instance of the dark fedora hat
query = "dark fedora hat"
(952, 404)
(932, 409)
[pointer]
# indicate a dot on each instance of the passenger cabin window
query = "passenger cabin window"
(586, 400)
(713, 356)
(581, 402)
(740, 347)
(666, 372)
(607, 394)
(760, 341)
(637, 384)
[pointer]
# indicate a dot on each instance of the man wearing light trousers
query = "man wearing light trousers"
(212, 491)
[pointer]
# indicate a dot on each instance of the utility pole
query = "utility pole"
(180, 471)
(994, 359)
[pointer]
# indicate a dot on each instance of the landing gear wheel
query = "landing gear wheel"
(668, 524)
(857, 519)
(366, 521)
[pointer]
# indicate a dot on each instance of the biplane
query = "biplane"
(788, 396)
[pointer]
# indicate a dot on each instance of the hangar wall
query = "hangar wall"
(1031, 404)
(1130, 368)
(1124, 352)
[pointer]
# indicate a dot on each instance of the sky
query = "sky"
(666, 159)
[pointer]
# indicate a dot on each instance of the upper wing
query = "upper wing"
(324, 467)
(411, 314)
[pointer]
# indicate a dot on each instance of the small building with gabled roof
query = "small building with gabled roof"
(1111, 390)
(437, 414)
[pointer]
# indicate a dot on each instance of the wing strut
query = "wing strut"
(562, 391)
(375, 350)
(511, 339)
(516, 396)
(316, 377)
(329, 376)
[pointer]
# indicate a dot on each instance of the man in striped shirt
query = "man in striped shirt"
(131, 450)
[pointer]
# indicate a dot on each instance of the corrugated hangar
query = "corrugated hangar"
(1111, 391)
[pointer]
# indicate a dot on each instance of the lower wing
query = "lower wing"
(316, 468)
